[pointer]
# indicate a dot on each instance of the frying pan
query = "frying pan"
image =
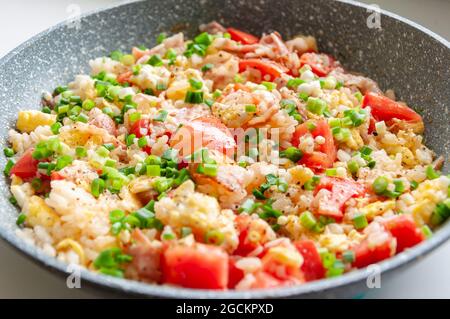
(400, 55)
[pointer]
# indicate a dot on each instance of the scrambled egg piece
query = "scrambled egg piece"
(69, 243)
(377, 208)
(39, 213)
(188, 208)
(27, 121)
(427, 196)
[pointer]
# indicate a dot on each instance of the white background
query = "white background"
(19, 277)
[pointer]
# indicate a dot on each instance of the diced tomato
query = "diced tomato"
(367, 253)
(321, 64)
(206, 132)
(372, 123)
(385, 109)
(235, 274)
(26, 167)
(140, 128)
(340, 190)
(405, 230)
(312, 266)
(246, 243)
(266, 67)
(200, 266)
(242, 37)
(124, 77)
(324, 155)
(56, 176)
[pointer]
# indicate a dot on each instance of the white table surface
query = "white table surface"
(21, 278)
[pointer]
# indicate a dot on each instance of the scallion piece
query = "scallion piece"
(161, 37)
(155, 60)
(9, 152)
(207, 67)
(250, 108)
(380, 185)
(195, 84)
(97, 187)
(142, 141)
(431, 173)
(360, 221)
(308, 220)
(194, 97)
(153, 170)
(316, 105)
(292, 153)
(21, 219)
(55, 128)
(133, 117)
(63, 161)
(270, 86)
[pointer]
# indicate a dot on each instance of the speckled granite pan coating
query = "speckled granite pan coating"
(402, 56)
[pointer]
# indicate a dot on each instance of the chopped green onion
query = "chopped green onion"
(97, 187)
(161, 37)
(427, 231)
(102, 151)
(247, 206)
(153, 170)
(194, 97)
(365, 150)
(250, 108)
(207, 67)
(110, 162)
(399, 186)
(292, 153)
(380, 185)
(162, 184)
(331, 172)
(195, 84)
(63, 161)
(294, 83)
(13, 200)
(360, 221)
(116, 215)
(116, 55)
(155, 60)
(204, 38)
(142, 141)
(133, 117)
(209, 169)
(21, 219)
(353, 167)
(312, 183)
(130, 139)
(270, 86)
(308, 220)
(9, 152)
(316, 105)
(431, 173)
(46, 110)
(414, 185)
(348, 256)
